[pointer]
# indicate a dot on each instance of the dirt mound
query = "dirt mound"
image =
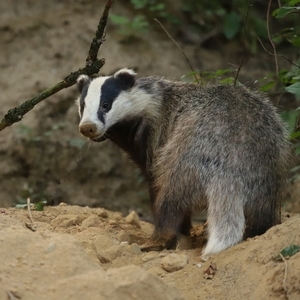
(71, 252)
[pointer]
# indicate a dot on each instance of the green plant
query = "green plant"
(147, 11)
(29, 191)
(227, 19)
(287, 252)
(222, 76)
(129, 27)
(37, 205)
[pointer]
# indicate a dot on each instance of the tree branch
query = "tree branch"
(93, 65)
(243, 44)
(270, 37)
(99, 37)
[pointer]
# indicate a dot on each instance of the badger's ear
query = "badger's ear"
(82, 81)
(126, 78)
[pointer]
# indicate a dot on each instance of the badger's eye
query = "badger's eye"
(105, 106)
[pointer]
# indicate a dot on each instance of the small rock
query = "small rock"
(103, 242)
(133, 219)
(149, 256)
(184, 243)
(112, 222)
(157, 271)
(103, 214)
(91, 221)
(109, 254)
(174, 262)
(133, 249)
(123, 236)
(67, 220)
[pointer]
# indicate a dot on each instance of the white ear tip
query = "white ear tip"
(82, 78)
(125, 70)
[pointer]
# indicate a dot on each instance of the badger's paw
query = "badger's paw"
(158, 243)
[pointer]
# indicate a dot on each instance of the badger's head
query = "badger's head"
(105, 101)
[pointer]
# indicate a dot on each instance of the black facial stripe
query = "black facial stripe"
(82, 97)
(101, 115)
(111, 89)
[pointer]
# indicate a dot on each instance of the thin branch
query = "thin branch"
(285, 274)
(29, 210)
(93, 65)
(99, 37)
(209, 35)
(270, 38)
(16, 114)
(278, 55)
(186, 58)
(243, 43)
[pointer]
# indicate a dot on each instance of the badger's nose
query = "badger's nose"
(88, 129)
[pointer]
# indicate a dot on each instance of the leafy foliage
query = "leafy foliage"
(288, 252)
(128, 26)
(39, 206)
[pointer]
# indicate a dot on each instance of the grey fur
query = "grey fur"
(218, 147)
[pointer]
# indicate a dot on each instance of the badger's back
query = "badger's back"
(226, 140)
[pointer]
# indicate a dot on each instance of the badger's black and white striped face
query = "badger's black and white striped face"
(105, 101)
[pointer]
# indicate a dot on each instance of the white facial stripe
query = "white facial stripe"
(131, 104)
(92, 101)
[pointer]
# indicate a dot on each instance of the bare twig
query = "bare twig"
(99, 35)
(278, 55)
(93, 65)
(209, 35)
(270, 38)
(285, 273)
(29, 210)
(243, 44)
(181, 50)
(16, 114)
(11, 296)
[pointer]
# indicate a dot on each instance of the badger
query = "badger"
(222, 148)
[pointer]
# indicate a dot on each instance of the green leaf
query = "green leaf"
(284, 10)
(39, 206)
(297, 151)
(294, 135)
(293, 2)
(228, 80)
(295, 41)
(21, 206)
(231, 25)
(119, 20)
(288, 251)
(222, 72)
(294, 88)
(266, 87)
(139, 4)
(290, 117)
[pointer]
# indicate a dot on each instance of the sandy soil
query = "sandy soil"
(73, 252)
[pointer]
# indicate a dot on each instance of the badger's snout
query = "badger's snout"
(89, 130)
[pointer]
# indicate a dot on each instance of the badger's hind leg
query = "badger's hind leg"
(170, 221)
(225, 220)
